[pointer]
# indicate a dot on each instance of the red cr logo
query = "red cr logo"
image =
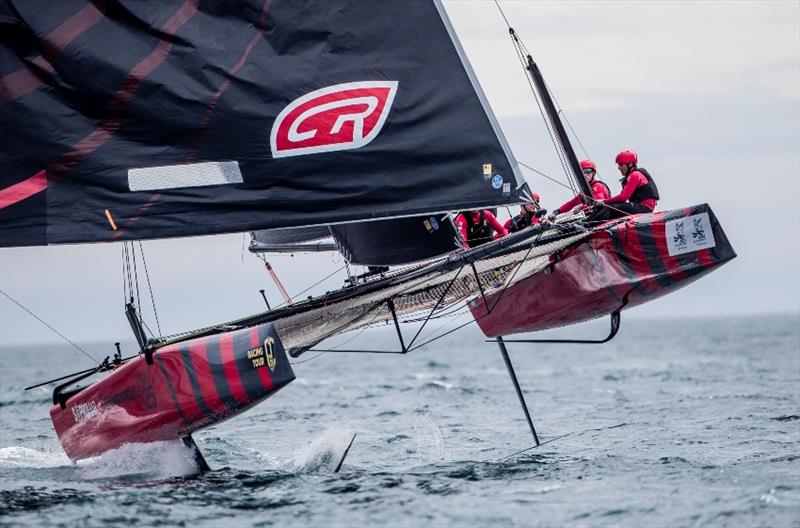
(340, 117)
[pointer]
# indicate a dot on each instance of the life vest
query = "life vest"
(601, 182)
(648, 191)
(479, 233)
(521, 221)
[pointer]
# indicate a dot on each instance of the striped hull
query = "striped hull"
(190, 385)
(621, 265)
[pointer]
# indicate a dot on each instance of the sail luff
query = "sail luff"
(519, 178)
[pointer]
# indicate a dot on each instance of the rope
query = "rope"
(126, 270)
(306, 360)
(130, 283)
(544, 175)
(136, 280)
(149, 287)
(548, 126)
(85, 353)
(297, 295)
(575, 134)
(522, 53)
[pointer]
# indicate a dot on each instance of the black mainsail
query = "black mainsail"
(127, 121)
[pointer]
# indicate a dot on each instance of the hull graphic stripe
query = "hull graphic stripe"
(226, 345)
(198, 395)
(172, 392)
(205, 378)
(215, 364)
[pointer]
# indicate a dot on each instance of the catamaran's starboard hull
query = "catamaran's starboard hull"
(622, 264)
(189, 385)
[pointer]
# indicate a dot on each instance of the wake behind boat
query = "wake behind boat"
(308, 124)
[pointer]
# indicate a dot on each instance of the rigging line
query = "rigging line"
(65, 338)
(438, 302)
(563, 113)
(523, 52)
(377, 313)
(575, 134)
(508, 282)
(361, 331)
(149, 287)
(136, 278)
(306, 360)
(447, 311)
(501, 293)
(562, 154)
(540, 173)
(295, 296)
(502, 13)
(559, 437)
(548, 126)
(452, 320)
(127, 263)
(124, 289)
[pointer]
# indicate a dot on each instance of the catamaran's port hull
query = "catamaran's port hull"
(188, 386)
(622, 264)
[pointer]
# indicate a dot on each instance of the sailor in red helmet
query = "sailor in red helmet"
(478, 226)
(529, 215)
(600, 190)
(639, 192)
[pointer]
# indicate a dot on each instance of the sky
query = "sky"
(707, 93)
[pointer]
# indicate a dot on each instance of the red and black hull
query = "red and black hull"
(188, 386)
(622, 264)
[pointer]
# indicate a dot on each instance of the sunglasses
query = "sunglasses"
(588, 171)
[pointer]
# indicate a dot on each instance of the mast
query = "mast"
(555, 120)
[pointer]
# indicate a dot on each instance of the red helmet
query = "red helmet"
(536, 197)
(626, 156)
(588, 164)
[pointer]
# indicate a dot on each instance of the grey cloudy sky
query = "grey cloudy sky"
(708, 93)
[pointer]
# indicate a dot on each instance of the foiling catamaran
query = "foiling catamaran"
(352, 121)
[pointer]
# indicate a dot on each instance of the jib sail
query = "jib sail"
(124, 120)
(396, 241)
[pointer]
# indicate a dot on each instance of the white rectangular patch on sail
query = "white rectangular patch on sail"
(691, 233)
(186, 175)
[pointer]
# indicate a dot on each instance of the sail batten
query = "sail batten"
(307, 115)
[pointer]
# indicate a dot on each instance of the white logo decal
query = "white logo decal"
(340, 117)
(497, 181)
(691, 233)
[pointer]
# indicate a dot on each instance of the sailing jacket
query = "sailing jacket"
(476, 228)
(600, 191)
(638, 187)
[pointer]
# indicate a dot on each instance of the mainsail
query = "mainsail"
(130, 121)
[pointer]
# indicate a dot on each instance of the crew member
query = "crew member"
(639, 192)
(529, 215)
(600, 190)
(477, 226)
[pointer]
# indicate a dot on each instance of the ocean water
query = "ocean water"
(691, 422)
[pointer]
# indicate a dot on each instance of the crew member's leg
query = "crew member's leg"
(617, 210)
